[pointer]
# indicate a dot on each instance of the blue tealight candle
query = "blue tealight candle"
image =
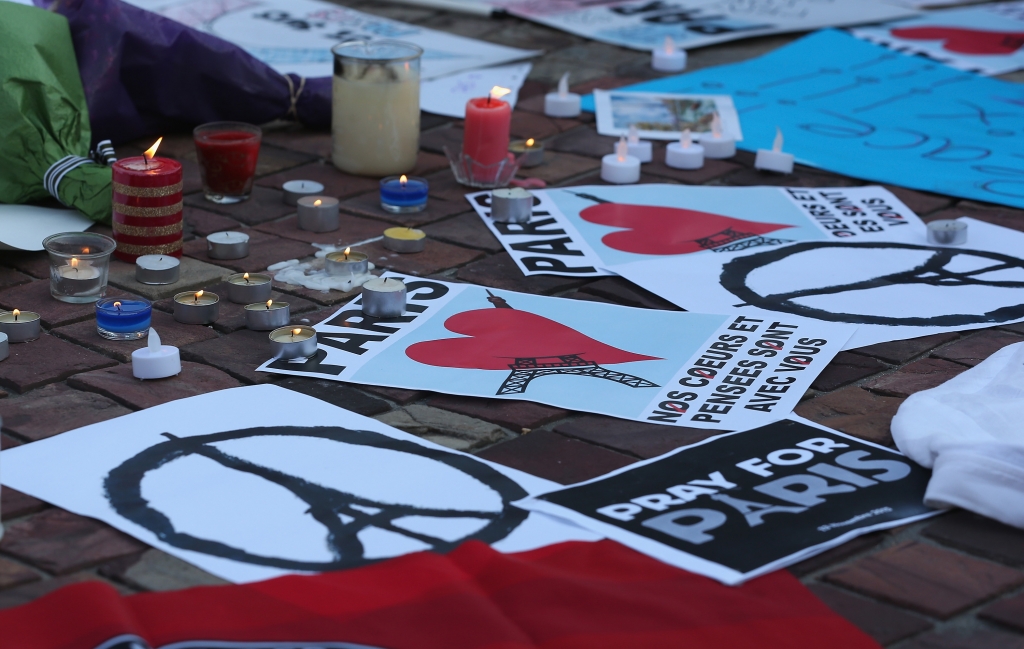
(123, 318)
(401, 195)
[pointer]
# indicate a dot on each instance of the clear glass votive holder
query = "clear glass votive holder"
(79, 263)
(227, 153)
(124, 318)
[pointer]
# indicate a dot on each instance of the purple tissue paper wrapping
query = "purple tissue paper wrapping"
(146, 75)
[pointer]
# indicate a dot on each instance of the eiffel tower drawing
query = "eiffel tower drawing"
(525, 370)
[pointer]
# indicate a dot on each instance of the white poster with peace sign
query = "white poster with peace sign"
(892, 290)
(257, 482)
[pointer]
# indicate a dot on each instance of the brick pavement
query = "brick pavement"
(954, 581)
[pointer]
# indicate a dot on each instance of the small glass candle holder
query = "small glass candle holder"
(403, 195)
(375, 125)
(227, 153)
(79, 262)
(123, 318)
(471, 173)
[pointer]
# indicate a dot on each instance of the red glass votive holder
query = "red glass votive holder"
(227, 152)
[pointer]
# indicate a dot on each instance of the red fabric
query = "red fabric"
(965, 41)
(497, 337)
(566, 596)
(666, 230)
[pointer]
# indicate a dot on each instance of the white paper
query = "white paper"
(643, 25)
(980, 285)
(666, 367)
(448, 95)
(257, 505)
(664, 116)
(297, 35)
(23, 227)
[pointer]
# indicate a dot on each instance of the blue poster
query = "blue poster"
(859, 109)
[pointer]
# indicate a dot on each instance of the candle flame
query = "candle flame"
(150, 153)
(621, 149)
(347, 250)
(245, 276)
(634, 134)
(403, 180)
(497, 92)
(716, 126)
(529, 143)
(199, 294)
(154, 341)
(16, 313)
(685, 139)
(777, 144)
(296, 332)
(563, 85)
(85, 250)
(74, 262)
(117, 305)
(669, 45)
(317, 202)
(270, 303)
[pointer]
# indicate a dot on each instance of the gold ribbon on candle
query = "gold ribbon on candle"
(131, 210)
(163, 249)
(141, 231)
(148, 192)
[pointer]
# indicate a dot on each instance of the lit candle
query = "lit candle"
(244, 288)
(562, 103)
(668, 58)
(384, 298)
(620, 168)
(488, 120)
(266, 316)
(155, 360)
(530, 153)
(684, 154)
(77, 278)
(511, 205)
(196, 308)
(296, 189)
(774, 160)
(123, 318)
(227, 245)
(717, 145)
(318, 214)
(639, 149)
(293, 342)
(157, 269)
(346, 263)
(147, 206)
(403, 195)
(20, 326)
(947, 232)
(404, 240)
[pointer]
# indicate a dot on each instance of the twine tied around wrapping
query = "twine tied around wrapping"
(293, 109)
(102, 154)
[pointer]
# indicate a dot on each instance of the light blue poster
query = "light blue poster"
(667, 367)
(859, 109)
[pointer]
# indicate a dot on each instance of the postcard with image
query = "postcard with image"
(664, 116)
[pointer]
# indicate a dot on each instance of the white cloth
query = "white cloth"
(970, 431)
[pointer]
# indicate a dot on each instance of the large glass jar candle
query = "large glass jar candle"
(376, 107)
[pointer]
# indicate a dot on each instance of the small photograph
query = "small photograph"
(660, 116)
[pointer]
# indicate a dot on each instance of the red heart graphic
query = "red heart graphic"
(497, 337)
(670, 230)
(965, 41)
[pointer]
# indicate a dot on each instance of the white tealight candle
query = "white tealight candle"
(684, 154)
(384, 298)
(947, 232)
(157, 269)
(717, 145)
(155, 361)
(774, 160)
(227, 245)
(639, 149)
(668, 58)
(562, 103)
(620, 168)
(296, 189)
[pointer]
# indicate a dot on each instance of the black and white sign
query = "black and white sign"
(739, 505)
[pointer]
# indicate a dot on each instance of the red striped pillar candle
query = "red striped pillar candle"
(147, 206)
